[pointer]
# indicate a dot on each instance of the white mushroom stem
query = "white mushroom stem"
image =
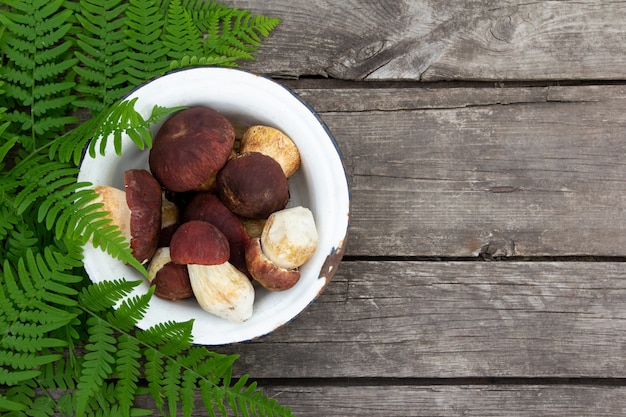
(169, 214)
(114, 203)
(159, 260)
(290, 237)
(222, 290)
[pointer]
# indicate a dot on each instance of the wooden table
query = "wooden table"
(485, 145)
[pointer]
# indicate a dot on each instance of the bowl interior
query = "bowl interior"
(320, 184)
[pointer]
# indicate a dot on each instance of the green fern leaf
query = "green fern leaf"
(188, 392)
(181, 35)
(7, 405)
(154, 369)
(8, 377)
(171, 385)
(126, 316)
(37, 63)
(104, 295)
(169, 338)
(102, 53)
(98, 362)
(127, 371)
(232, 32)
(147, 57)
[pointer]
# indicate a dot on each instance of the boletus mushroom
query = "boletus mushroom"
(289, 237)
(274, 143)
(209, 208)
(190, 148)
(288, 240)
(265, 272)
(220, 288)
(253, 185)
(170, 280)
(136, 211)
(170, 219)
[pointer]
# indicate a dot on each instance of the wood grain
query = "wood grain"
(432, 40)
(440, 400)
(354, 398)
(529, 171)
(451, 320)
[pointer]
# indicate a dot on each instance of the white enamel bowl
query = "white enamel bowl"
(320, 184)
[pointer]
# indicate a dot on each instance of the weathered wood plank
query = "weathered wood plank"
(453, 319)
(469, 171)
(446, 401)
(433, 40)
(345, 398)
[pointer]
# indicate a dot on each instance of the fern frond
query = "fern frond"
(180, 34)
(169, 338)
(119, 119)
(37, 61)
(98, 362)
(153, 372)
(147, 58)
(102, 53)
(231, 32)
(35, 297)
(104, 295)
(126, 316)
(127, 371)
(171, 385)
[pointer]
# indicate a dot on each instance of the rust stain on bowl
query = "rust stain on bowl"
(331, 264)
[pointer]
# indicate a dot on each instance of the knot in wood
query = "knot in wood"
(503, 30)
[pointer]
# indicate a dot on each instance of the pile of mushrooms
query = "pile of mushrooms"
(209, 218)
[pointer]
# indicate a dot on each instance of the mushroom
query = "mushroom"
(274, 143)
(190, 148)
(209, 208)
(171, 280)
(254, 227)
(143, 195)
(253, 185)
(135, 211)
(170, 219)
(265, 272)
(219, 287)
(289, 237)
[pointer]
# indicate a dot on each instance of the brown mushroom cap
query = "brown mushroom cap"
(170, 280)
(272, 142)
(190, 147)
(209, 208)
(265, 272)
(253, 185)
(143, 196)
(200, 243)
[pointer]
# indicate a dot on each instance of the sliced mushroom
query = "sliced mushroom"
(219, 287)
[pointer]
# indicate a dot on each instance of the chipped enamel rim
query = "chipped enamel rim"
(321, 185)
